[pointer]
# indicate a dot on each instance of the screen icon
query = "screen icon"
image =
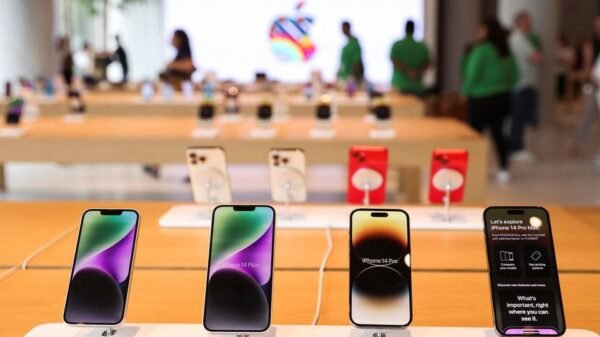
(506, 256)
(535, 256)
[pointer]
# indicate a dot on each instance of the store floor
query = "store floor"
(555, 178)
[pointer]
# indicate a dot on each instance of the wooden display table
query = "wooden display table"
(132, 104)
(463, 299)
(164, 140)
(450, 280)
(35, 297)
(589, 215)
(197, 330)
(27, 226)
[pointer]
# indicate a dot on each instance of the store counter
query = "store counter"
(164, 140)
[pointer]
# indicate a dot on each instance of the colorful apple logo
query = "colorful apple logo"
(289, 37)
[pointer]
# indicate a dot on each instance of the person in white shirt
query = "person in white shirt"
(527, 49)
(84, 60)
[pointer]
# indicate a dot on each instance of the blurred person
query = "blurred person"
(351, 63)
(527, 49)
(84, 60)
(577, 75)
(176, 72)
(410, 59)
(565, 60)
(120, 55)
(65, 60)
(589, 73)
(479, 37)
(182, 67)
(490, 75)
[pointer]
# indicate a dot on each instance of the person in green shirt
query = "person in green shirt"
(490, 74)
(410, 59)
(351, 65)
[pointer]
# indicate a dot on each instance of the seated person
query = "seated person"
(182, 67)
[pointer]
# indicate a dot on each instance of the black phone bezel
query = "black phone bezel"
(104, 212)
(497, 317)
(380, 210)
(212, 223)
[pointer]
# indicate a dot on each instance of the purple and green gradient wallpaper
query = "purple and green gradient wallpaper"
(100, 279)
(238, 292)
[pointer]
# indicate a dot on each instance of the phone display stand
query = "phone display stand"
(230, 117)
(205, 131)
(196, 330)
(73, 118)
(31, 111)
(185, 216)
(333, 216)
(270, 332)
(447, 180)
(431, 218)
(212, 179)
(359, 332)
(382, 130)
(367, 180)
(318, 133)
(281, 118)
(369, 118)
(290, 181)
(281, 113)
(187, 90)
(11, 132)
(167, 92)
(108, 332)
(323, 130)
(61, 329)
(193, 216)
(263, 131)
(206, 126)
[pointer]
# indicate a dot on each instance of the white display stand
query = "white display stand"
(369, 118)
(31, 112)
(263, 132)
(290, 180)
(230, 117)
(11, 132)
(47, 99)
(382, 133)
(186, 216)
(205, 132)
(434, 218)
(196, 330)
(73, 118)
(334, 216)
(320, 133)
(366, 180)
(447, 180)
(280, 117)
